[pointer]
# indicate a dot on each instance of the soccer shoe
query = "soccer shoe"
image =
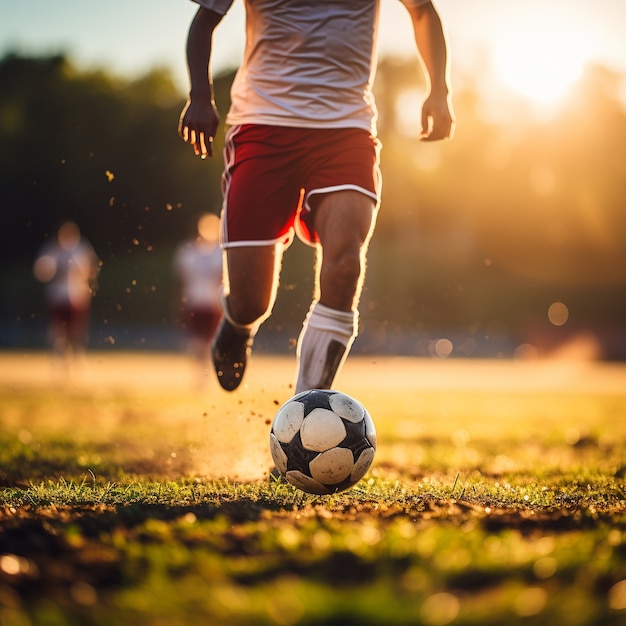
(231, 349)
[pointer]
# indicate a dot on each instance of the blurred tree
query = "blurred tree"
(97, 149)
(480, 233)
(105, 153)
(483, 233)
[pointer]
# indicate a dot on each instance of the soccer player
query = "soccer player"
(301, 156)
(69, 266)
(198, 269)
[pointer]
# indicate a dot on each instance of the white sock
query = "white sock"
(323, 346)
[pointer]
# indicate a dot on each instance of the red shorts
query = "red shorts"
(202, 323)
(69, 319)
(272, 174)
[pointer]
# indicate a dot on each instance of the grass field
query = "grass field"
(497, 497)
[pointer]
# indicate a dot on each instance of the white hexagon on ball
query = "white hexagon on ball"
(362, 465)
(333, 466)
(370, 429)
(321, 430)
(288, 421)
(346, 407)
(278, 454)
(306, 483)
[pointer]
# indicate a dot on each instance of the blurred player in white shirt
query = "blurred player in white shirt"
(69, 267)
(198, 268)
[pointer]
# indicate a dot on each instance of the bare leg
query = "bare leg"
(250, 286)
(251, 282)
(344, 221)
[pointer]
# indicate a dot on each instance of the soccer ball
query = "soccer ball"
(322, 441)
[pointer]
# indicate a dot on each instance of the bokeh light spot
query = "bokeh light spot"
(558, 313)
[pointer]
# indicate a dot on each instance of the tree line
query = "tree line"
(478, 233)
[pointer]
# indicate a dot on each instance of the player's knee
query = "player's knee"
(256, 315)
(346, 269)
(246, 312)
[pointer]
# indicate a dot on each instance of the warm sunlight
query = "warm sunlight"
(540, 56)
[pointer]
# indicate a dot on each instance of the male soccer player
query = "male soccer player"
(301, 156)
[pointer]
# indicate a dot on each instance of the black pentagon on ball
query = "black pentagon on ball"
(298, 457)
(356, 439)
(315, 399)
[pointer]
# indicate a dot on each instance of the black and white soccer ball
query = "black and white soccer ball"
(322, 441)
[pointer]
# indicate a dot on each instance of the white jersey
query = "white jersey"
(69, 273)
(199, 268)
(307, 63)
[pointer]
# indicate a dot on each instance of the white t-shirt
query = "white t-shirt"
(199, 268)
(307, 63)
(69, 273)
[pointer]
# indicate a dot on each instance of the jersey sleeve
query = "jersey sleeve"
(218, 6)
(414, 3)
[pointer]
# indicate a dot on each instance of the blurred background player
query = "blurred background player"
(69, 267)
(198, 269)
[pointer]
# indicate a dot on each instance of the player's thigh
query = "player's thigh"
(344, 221)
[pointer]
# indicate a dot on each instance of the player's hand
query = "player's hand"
(198, 124)
(437, 119)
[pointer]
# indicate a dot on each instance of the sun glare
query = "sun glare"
(542, 57)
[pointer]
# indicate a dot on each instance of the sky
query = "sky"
(534, 44)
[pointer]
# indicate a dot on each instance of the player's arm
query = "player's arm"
(199, 119)
(437, 115)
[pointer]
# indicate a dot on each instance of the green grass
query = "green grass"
(492, 503)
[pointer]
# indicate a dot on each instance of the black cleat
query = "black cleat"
(231, 349)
